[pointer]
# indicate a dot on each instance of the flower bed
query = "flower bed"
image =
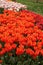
(21, 38)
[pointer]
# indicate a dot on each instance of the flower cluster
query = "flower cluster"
(38, 19)
(19, 32)
(9, 5)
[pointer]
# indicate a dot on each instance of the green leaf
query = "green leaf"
(19, 63)
(1, 10)
(42, 62)
(26, 63)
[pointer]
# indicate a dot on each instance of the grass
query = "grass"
(33, 6)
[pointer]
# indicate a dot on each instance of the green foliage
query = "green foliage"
(21, 60)
(1, 10)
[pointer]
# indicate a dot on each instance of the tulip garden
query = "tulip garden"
(21, 38)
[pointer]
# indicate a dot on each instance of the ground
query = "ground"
(33, 6)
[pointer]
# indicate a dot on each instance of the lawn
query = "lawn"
(33, 6)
